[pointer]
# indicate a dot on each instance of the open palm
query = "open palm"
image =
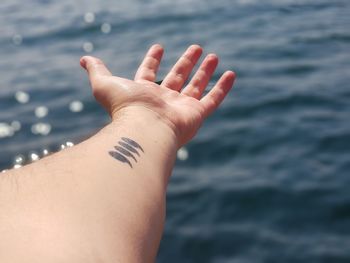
(182, 108)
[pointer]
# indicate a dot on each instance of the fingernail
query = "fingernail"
(83, 62)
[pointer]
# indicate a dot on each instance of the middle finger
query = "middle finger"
(177, 76)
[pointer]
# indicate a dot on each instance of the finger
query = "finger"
(150, 64)
(95, 68)
(182, 69)
(217, 94)
(201, 79)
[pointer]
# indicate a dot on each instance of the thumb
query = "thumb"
(94, 67)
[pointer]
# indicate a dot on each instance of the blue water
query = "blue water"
(267, 178)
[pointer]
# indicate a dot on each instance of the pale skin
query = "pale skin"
(84, 204)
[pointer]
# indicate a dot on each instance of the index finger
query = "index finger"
(150, 64)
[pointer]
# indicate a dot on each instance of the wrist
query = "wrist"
(155, 136)
(143, 119)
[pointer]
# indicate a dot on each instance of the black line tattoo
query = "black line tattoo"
(120, 157)
(128, 147)
(125, 151)
(133, 143)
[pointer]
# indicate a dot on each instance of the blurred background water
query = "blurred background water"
(267, 178)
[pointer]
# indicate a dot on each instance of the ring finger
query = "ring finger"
(201, 79)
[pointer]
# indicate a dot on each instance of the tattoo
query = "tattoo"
(129, 147)
(120, 157)
(133, 143)
(125, 151)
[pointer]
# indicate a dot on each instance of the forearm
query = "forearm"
(104, 199)
(101, 202)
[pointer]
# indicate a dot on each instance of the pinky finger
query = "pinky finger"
(217, 94)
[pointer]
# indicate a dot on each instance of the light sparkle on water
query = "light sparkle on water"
(182, 154)
(22, 97)
(19, 159)
(76, 106)
(34, 157)
(41, 111)
(106, 28)
(16, 125)
(88, 47)
(89, 17)
(69, 144)
(41, 128)
(5, 130)
(8, 130)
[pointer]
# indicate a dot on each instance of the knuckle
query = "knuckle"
(98, 61)
(97, 91)
(196, 81)
(188, 61)
(98, 88)
(195, 93)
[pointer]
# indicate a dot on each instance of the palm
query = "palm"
(183, 108)
(185, 112)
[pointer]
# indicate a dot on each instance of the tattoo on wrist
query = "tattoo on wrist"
(126, 151)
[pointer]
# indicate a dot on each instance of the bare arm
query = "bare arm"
(104, 199)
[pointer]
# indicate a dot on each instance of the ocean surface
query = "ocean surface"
(267, 179)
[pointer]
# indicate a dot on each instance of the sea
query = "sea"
(267, 178)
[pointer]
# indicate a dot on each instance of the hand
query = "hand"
(182, 108)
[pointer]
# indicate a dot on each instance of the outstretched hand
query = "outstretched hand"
(182, 108)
